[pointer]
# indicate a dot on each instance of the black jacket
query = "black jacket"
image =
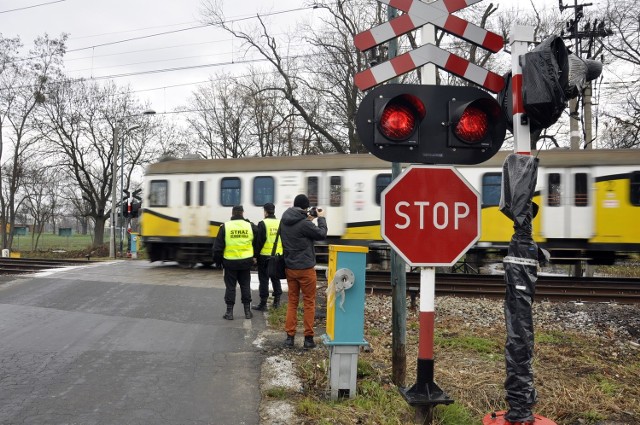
(298, 234)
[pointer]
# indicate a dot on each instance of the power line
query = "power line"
(142, 37)
(182, 68)
(31, 7)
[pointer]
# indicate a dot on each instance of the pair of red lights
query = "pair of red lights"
(402, 115)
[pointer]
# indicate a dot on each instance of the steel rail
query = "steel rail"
(552, 288)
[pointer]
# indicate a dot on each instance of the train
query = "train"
(589, 201)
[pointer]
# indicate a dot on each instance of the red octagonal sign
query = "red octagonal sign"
(430, 215)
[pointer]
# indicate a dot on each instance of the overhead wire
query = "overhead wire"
(32, 6)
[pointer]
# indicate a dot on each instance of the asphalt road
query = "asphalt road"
(126, 342)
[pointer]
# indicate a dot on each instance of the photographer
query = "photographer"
(298, 233)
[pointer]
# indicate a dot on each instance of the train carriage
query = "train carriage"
(589, 201)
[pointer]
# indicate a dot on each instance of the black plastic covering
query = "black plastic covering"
(545, 72)
(519, 180)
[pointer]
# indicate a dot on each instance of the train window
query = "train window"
(382, 181)
(230, 191)
(159, 193)
(187, 193)
(581, 191)
(335, 191)
(634, 195)
(554, 194)
(263, 190)
(491, 189)
(201, 193)
(312, 190)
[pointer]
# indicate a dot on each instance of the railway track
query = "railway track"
(30, 265)
(551, 288)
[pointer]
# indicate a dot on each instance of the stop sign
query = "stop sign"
(430, 215)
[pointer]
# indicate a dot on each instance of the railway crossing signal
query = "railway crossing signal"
(431, 124)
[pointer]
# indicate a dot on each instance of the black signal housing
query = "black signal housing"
(417, 124)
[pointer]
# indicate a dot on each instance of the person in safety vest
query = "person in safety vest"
(298, 233)
(265, 240)
(235, 245)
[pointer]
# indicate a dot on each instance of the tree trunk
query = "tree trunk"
(98, 240)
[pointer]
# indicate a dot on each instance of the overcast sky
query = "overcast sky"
(124, 40)
(102, 40)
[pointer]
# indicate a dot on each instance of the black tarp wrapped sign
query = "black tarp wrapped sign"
(521, 272)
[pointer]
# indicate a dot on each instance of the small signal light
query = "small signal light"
(400, 117)
(473, 125)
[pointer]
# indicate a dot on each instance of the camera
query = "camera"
(313, 212)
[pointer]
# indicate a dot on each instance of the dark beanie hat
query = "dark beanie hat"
(301, 201)
(269, 208)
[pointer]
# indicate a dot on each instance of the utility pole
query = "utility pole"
(590, 31)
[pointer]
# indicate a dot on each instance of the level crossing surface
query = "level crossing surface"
(126, 342)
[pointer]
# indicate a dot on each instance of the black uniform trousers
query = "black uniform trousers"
(263, 277)
(243, 278)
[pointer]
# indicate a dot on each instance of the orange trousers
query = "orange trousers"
(301, 281)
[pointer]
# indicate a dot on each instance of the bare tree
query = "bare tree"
(622, 46)
(80, 124)
(319, 83)
(273, 118)
(23, 87)
(41, 198)
(219, 117)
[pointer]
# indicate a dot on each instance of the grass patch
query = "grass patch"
(454, 414)
(476, 344)
(277, 317)
(277, 393)
(552, 338)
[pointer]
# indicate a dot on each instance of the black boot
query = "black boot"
(247, 311)
(229, 314)
(276, 301)
(308, 342)
(262, 306)
(289, 341)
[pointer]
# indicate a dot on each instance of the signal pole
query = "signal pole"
(398, 276)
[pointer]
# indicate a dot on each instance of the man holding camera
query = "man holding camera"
(298, 233)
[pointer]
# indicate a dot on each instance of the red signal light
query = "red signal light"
(401, 116)
(473, 125)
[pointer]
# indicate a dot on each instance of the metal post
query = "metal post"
(574, 124)
(425, 393)
(398, 276)
(112, 242)
(121, 221)
(521, 36)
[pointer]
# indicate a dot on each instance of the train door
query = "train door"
(194, 221)
(568, 203)
(326, 190)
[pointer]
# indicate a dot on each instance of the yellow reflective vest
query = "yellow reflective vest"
(238, 236)
(271, 225)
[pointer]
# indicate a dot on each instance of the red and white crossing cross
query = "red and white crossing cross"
(437, 13)
(429, 53)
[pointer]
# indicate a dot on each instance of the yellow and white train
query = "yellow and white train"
(589, 201)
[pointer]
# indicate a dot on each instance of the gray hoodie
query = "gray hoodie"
(298, 234)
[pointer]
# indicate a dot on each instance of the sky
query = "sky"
(158, 47)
